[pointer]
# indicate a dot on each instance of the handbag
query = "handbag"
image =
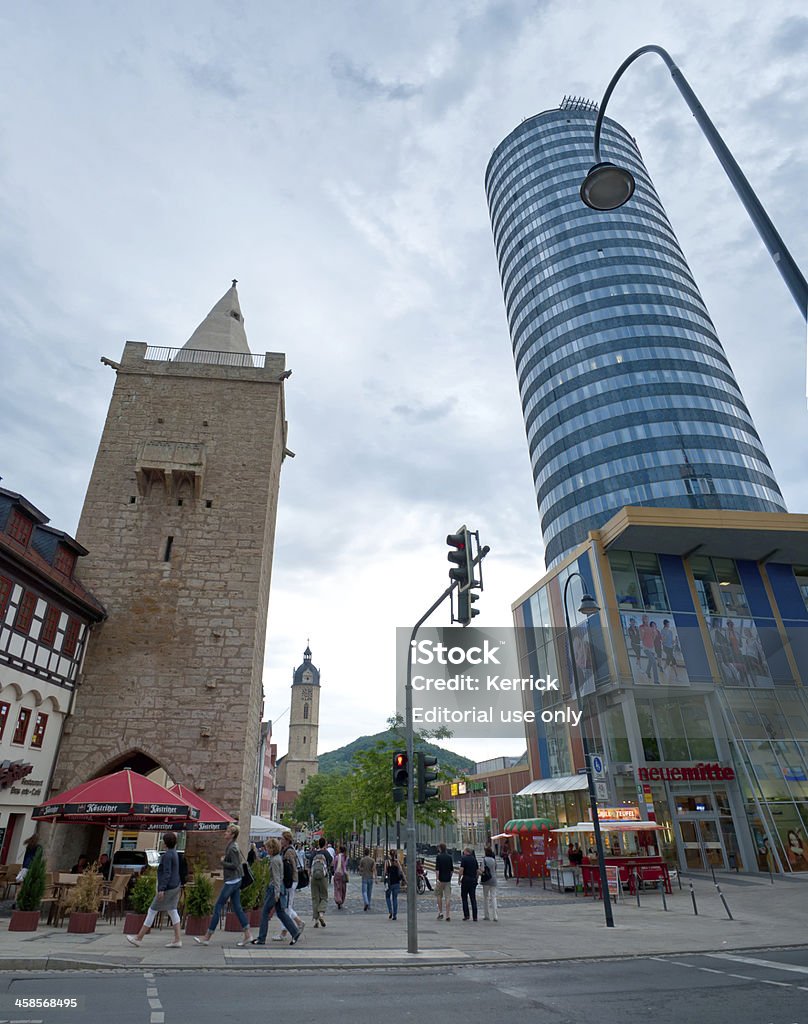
(247, 877)
(302, 878)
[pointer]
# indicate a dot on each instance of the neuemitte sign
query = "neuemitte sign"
(701, 772)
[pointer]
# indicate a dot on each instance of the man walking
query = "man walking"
(506, 859)
(444, 869)
(468, 871)
(367, 869)
(319, 884)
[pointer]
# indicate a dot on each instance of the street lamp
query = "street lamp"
(588, 607)
(608, 186)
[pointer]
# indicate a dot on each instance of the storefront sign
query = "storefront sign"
(13, 771)
(617, 814)
(697, 773)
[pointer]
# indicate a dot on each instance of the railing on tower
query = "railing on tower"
(192, 355)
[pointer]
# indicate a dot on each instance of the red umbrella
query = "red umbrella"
(211, 818)
(123, 798)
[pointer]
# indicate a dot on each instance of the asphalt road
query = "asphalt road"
(752, 987)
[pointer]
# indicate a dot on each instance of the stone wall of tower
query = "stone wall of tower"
(190, 451)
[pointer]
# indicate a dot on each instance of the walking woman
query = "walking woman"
(231, 890)
(275, 902)
(392, 885)
(340, 877)
(168, 893)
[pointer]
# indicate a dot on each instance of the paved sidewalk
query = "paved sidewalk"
(534, 925)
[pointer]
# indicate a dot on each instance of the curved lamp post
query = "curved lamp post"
(588, 607)
(608, 186)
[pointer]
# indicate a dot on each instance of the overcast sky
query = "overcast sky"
(331, 157)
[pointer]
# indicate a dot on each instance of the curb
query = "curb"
(39, 964)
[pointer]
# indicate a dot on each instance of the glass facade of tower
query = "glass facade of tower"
(627, 394)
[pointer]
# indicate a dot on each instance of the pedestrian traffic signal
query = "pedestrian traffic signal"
(424, 791)
(461, 558)
(465, 609)
(401, 769)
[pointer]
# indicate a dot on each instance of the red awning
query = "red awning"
(123, 798)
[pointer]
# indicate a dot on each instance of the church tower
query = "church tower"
(179, 522)
(300, 762)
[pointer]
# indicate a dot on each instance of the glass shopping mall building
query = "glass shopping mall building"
(691, 677)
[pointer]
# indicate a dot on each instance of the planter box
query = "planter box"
(254, 917)
(132, 922)
(231, 922)
(24, 921)
(81, 923)
(196, 925)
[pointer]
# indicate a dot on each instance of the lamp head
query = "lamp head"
(589, 606)
(607, 186)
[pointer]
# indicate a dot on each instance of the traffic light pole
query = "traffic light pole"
(412, 892)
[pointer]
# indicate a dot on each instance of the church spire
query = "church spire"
(222, 330)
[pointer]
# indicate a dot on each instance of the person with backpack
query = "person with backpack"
(275, 902)
(393, 877)
(318, 880)
(488, 879)
(468, 871)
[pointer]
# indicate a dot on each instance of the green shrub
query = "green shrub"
(199, 893)
(85, 896)
(32, 888)
(143, 891)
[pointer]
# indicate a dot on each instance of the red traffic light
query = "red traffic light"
(401, 769)
(401, 760)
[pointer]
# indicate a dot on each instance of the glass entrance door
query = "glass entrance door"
(701, 843)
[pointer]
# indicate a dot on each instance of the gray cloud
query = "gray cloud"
(368, 85)
(210, 77)
(417, 413)
(790, 37)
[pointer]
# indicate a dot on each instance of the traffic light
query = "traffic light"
(401, 766)
(465, 609)
(461, 558)
(425, 792)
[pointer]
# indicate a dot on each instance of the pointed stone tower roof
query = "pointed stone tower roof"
(306, 673)
(222, 330)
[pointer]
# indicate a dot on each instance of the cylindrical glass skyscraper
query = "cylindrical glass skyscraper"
(627, 394)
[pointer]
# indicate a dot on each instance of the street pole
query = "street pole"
(412, 894)
(593, 803)
(784, 261)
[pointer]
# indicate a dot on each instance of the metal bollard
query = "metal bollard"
(661, 885)
(693, 897)
(637, 885)
(723, 900)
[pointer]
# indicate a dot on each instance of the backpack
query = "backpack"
(319, 869)
(288, 873)
(183, 868)
(486, 876)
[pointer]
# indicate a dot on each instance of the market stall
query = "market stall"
(532, 843)
(629, 846)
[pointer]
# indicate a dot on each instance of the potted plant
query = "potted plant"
(252, 898)
(84, 901)
(141, 895)
(25, 917)
(198, 901)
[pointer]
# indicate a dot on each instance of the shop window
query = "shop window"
(23, 720)
(20, 527)
(638, 581)
(650, 746)
(5, 707)
(625, 583)
(5, 595)
(651, 586)
(38, 735)
(71, 638)
(800, 573)
(65, 560)
(617, 735)
(25, 612)
(671, 732)
(48, 634)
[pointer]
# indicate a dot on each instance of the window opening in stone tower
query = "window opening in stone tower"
(169, 546)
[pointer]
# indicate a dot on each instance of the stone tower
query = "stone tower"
(179, 522)
(300, 762)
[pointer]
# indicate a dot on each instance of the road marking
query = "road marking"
(710, 970)
(664, 960)
(151, 992)
(755, 962)
(743, 977)
(782, 984)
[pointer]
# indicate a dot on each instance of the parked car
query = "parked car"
(135, 860)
